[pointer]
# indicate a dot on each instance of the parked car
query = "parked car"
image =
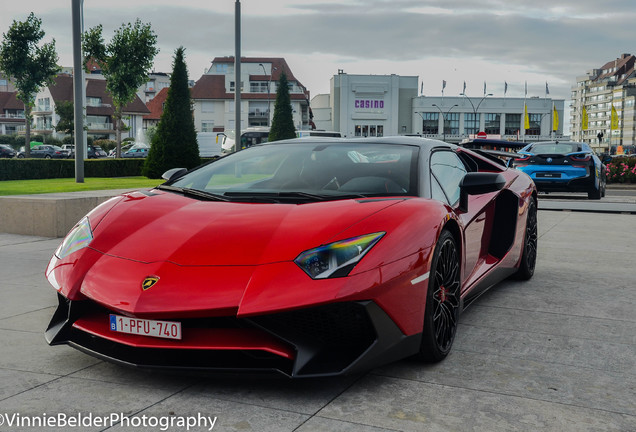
(136, 151)
(124, 149)
(94, 152)
(6, 151)
(70, 149)
(563, 166)
(45, 151)
(306, 257)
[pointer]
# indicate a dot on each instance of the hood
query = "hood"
(168, 227)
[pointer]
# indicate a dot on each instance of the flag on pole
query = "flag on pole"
(584, 119)
(526, 118)
(464, 88)
(484, 88)
(505, 88)
(443, 84)
(555, 118)
(547, 90)
(422, 88)
(614, 118)
(526, 88)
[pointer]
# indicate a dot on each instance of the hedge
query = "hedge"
(28, 169)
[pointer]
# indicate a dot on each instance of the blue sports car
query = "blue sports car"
(563, 167)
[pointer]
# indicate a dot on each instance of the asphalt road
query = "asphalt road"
(556, 353)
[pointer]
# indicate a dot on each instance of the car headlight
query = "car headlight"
(338, 258)
(78, 238)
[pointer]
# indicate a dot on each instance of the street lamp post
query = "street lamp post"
(444, 117)
(475, 109)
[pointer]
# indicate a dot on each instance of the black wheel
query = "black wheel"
(47, 157)
(442, 301)
(529, 256)
(594, 194)
(20, 156)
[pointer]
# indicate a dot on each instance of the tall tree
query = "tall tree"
(30, 63)
(125, 63)
(174, 143)
(283, 120)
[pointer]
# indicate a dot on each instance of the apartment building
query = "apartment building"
(99, 109)
(603, 108)
(213, 94)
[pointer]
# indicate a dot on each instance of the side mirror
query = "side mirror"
(173, 174)
(477, 183)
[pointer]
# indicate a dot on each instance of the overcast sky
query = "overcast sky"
(495, 41)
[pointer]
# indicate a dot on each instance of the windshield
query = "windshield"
(555, 148)
(321, 170)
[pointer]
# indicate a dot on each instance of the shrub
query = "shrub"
(106, 144)
(622, 170)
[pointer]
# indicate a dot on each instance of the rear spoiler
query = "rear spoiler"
(497, 156)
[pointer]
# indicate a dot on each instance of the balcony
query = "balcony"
(12, 116)
(257, 113)
(94, 127)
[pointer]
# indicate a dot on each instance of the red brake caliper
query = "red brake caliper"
(442, 294)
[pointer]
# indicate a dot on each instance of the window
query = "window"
(452, 123)
(471, 123)
(535, 124)
(232, 86)
(369, 130)
(207, 106)
(258, 87)
(493, 122)
(448, 170)
(43, 123)
(513, 124)
(430, 123)
(207, 126)
(44, 104)
(221, 68)
(93, 101)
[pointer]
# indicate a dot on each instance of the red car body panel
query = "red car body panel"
(236, 259)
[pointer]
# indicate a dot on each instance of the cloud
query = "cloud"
(492, 40)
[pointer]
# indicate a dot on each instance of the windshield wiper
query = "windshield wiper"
(203, 194)
(194, 193)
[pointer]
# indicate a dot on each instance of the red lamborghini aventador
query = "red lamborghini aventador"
(307, 257)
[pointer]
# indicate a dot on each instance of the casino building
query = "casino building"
(367, 105)
(382, 105)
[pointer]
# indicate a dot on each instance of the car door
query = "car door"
(447, 171)
(38, 151)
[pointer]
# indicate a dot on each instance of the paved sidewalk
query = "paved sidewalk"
(556, 353)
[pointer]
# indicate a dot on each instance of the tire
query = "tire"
(442, 301)
(594, 194)
(529, 255)
(20, 156)
(597, 194)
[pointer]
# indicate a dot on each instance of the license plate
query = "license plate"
(145, 327)
(549, 175)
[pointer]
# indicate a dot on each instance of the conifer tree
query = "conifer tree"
(283, 121)
(174, 144)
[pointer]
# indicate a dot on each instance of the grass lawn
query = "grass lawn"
(27, 187)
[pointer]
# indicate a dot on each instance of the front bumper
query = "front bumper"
(333, 339)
